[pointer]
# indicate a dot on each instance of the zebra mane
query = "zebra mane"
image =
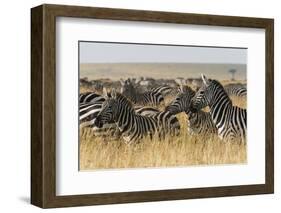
(189, 89)
(220, 86)
(123, 99)
(186, 89)
(217, 83)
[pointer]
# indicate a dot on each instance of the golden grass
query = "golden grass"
(182, 150)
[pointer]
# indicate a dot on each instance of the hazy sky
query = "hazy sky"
(92, 52)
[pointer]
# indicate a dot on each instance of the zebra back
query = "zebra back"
(164, 90)
(236, 90)
(90, 97)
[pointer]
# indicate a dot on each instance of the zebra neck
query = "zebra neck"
(219, 111)
(133, 95)
(125, 118)
(218, 98)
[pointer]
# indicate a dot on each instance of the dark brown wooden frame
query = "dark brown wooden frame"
(43, 105)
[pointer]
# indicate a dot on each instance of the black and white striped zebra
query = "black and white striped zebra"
(181, 102)
(231, 121)
(236, 90)
(132, 125)
(199, 122)
(154, 98)
(89, 111)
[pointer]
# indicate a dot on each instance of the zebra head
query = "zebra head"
(201, 98)
(107, 113)
(182, 101)
(127, 87)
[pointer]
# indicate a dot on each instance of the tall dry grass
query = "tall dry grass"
(182, 150)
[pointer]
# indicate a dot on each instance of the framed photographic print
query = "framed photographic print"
(136, 106)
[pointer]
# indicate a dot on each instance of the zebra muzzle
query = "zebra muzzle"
(98, 123)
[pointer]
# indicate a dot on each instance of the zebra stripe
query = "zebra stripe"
(90, 97)
(201, 123)
(236, 89)
(181, 103)
(164, 90)
(145, 110)
(231, 121)
(153, 98)
(88, 112)
(198, 122)
(133, 126)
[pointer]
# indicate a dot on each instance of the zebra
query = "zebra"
(231, 121)
(89, 111)
(236, 89)
(133, 126)
(90, 97)
(199, 122)
(153, 98)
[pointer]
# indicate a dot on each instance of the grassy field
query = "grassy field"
(183, 150)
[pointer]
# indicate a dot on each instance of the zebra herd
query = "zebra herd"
(131, 114)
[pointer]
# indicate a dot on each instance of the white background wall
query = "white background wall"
(15, 104)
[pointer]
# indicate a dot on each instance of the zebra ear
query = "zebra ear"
(137, 80)
(181, 89)
(178, 81)
(113, 93)
(122, 82)
(182, 82)
(204, 79)
(104, 91)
